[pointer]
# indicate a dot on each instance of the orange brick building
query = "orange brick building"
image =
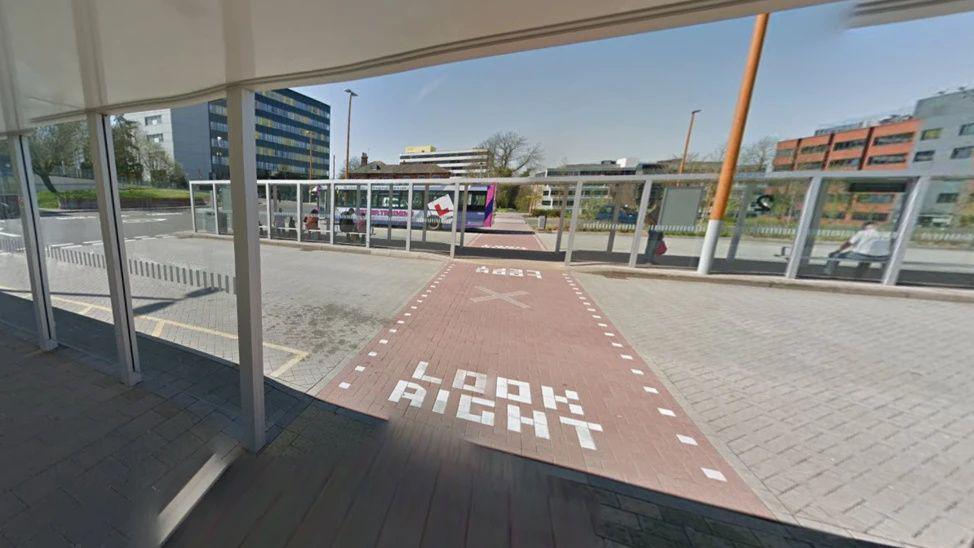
(886, 146)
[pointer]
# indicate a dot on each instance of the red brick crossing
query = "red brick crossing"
(537, 350)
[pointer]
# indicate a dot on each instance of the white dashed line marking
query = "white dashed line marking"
(686, 439)
(400, 321)
(626, 356)
(607, 334)
(373, 354)
(713, 474)
(603, 325)
(650, 390)
(393, 331)
(665, 412)
(344, 386)
(596, 316)
(383, 341)
(637, 372)
(359, 368)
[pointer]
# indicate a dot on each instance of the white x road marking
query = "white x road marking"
(506, 297)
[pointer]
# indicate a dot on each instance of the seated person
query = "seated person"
(867, 246)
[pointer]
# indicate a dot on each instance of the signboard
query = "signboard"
(443, 206)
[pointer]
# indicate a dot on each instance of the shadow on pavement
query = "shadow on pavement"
(329, 476)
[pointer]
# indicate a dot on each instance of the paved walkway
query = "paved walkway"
(845, 412)
(521, 360)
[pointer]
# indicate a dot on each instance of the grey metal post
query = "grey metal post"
(740, 221)
(640, 222)
(409, 217)
(456, 217)
(809, 209)
(389, 217)
(463, 213)
(216, 213)
(561, 217)
(905, 231)
(33, 242)
(110, 218)
(613, 221)
(368, 215)
(192, 206)
(298, 225)
(426, 208)
(331, 213)
(267, 201)
(576, 211)
(246, 247)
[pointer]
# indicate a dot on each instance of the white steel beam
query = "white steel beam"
(113, 241)
(809, 210)
(409, 217)
(640, 221)
(241, 120)
(33, 242)
(904, 232)
(576, 211)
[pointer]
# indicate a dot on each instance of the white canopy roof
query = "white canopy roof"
(59, 58)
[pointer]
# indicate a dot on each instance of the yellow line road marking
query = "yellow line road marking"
(297, 355)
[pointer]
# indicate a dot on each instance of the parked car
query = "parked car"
(626, 215)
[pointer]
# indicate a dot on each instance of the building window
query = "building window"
(814, 149)
(875, 198)
(155, 138)
(846, 145)
(967, 129)
(784, 153)
(893, 139)
(947, 198)
(884, 159)
(866, 216)
(153, 120)
(810, 165)
(961, 153)
(933, 133)
(923, 156)
(845, 162)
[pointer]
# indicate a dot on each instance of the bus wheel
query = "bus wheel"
(434, 223)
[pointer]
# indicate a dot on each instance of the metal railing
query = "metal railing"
(812, 184)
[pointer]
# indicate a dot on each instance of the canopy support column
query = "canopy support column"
(241, 120)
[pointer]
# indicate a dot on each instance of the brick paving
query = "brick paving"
(520, 360)
(845, 412)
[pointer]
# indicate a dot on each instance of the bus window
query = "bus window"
(477, 200)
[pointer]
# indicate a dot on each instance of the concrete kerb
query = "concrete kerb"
(827, 286)
(320, 246)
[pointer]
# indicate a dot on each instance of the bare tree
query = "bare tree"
(510, 154)
(758, 155)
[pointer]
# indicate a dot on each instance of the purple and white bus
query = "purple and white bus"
(391, 207)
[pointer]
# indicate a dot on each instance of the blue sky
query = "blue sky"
(631, 96)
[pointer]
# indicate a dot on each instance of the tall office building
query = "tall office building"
(470, 162)
(293, 136)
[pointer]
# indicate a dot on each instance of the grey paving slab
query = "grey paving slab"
(846, 410)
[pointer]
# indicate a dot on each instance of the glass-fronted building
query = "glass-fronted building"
(293, 136)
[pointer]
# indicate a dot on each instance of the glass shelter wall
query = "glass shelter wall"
(15, 289)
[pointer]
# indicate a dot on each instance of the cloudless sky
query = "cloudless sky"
(631, 96)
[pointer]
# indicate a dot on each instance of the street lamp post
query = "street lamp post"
(348, 130)
(311, 147)
(686, 144)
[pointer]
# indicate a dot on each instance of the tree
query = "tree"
(758, 155)
(353, 164)
(125, 138)
(58, 149)
(510, 154)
